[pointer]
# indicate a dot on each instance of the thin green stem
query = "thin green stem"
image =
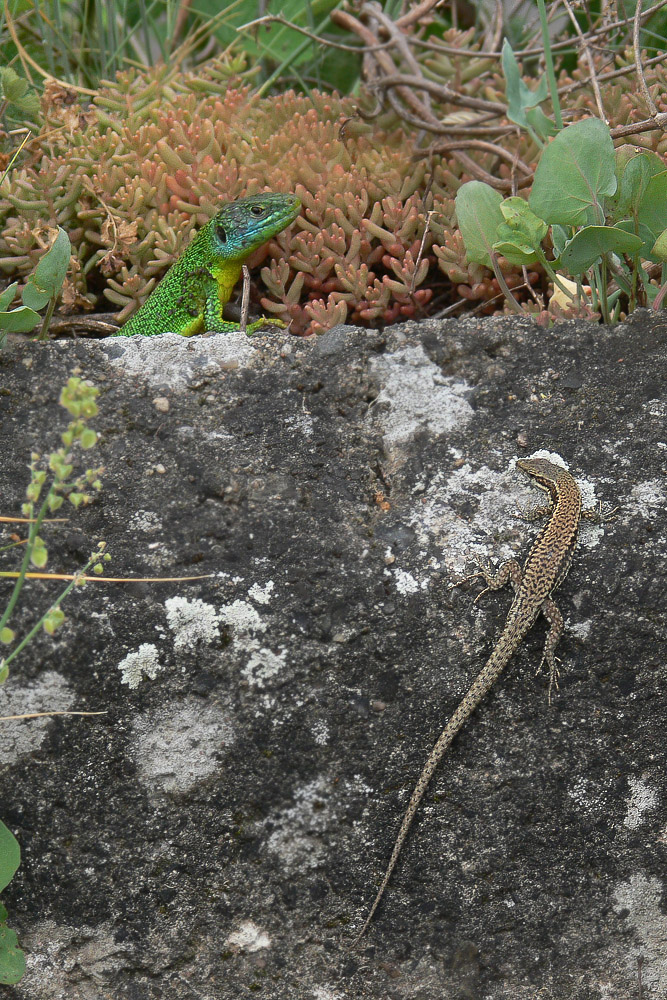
(34, 531)
(56, 604)
(504, 287)
(47, 318)
(594, 285)
(546, 264)
(604, 283)
(549, 63)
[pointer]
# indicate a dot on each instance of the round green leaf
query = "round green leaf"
(52, 267)
(592, 242)
(12, 959)
(634, 173)
(478, 214)
(514, 247)
(39, 556)
(53, 620)
(660, 246)
(574, 175)
(13, 86)
(645, 235)
(10, 855)
(653, 206)
(521, 219)
(19, 320)
(7, 296)
(34, 297)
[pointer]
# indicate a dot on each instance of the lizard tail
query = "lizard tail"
(476, 692)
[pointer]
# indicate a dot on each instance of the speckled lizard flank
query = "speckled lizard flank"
(545, 569)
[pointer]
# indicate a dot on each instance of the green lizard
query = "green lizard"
(191, 296)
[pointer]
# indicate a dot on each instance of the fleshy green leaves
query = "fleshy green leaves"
(575, 173)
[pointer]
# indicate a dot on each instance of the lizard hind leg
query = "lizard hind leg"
(509, 572)
(552, 614)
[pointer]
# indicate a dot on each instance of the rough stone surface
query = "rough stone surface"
(220, 832)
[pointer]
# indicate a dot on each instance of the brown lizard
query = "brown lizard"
(545, 569)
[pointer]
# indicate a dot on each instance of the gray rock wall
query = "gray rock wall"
(221, 831)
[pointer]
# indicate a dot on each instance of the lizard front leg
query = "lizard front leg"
(213, 320)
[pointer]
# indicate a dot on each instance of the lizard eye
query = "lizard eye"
(257, 210)
(221, 233)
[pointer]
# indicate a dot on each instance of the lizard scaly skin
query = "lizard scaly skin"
(191, 296)
(545, 569)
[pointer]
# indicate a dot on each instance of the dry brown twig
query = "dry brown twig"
(398, 79)
(659, 119)
(384, 73)
(589, 59)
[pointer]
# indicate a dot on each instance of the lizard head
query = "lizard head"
(546, 475)
(244, 225)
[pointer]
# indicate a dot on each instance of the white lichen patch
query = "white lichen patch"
(50, 692)
(261, 595)
(262, 665)
(417, 397)
(647, 497)
(404, 582)
(300, 423)
(320, 731)
(173, 361)
(242, 617)
(54, 950)
(494, 497)
(144, 522)
(297, 832)
(145, 661)
(191, 621)
(326, 993)
(641, 898)
(178, 746)
(248, 937)
(581, 629)
(591, 797)
(642, 799)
